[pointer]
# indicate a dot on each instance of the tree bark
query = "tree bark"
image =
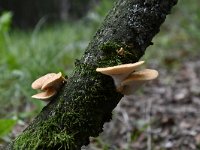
(86, 101)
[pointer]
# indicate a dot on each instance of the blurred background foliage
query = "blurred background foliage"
(37, 37)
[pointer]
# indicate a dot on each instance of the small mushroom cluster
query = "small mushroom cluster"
(49, 84)
(126, 78)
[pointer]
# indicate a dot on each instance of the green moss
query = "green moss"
(110, 47)
(48, 135)
(113, 55)
(66, 141)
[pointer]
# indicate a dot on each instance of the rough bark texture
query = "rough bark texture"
(86, 101)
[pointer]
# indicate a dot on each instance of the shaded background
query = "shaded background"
(37, 37)
(27, 13)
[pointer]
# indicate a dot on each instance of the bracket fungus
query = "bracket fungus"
(137, 78)
(37, 84)
(55, 81)
(120, 72)
(126, 78)
(45, 95)
(49, 84)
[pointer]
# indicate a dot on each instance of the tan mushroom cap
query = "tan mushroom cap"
(55, 81)
(45, 95)
(37, 84)
(120, 69)
(143, 75)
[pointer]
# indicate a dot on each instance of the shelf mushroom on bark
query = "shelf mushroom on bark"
(120, 72)
(55, 81)
(49, 84)
(37, 84)
(127, 78)
(45, 95)
(136, 79)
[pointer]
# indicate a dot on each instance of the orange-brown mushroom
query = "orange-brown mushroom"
(55, 81)
(45, 95)
(136, 79)
(120, 72)
(50, 83)
(37, 84)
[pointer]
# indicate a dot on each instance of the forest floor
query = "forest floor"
(165, 115)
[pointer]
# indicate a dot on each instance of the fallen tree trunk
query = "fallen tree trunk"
(86, 101)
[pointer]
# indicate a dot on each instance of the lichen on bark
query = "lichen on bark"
(86, 101)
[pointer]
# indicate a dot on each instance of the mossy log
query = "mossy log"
(86, 101)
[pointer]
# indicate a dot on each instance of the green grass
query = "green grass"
(26, 55)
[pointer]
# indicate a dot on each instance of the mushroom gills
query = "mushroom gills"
(45, 95)
(136, 79)
(120, 72)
